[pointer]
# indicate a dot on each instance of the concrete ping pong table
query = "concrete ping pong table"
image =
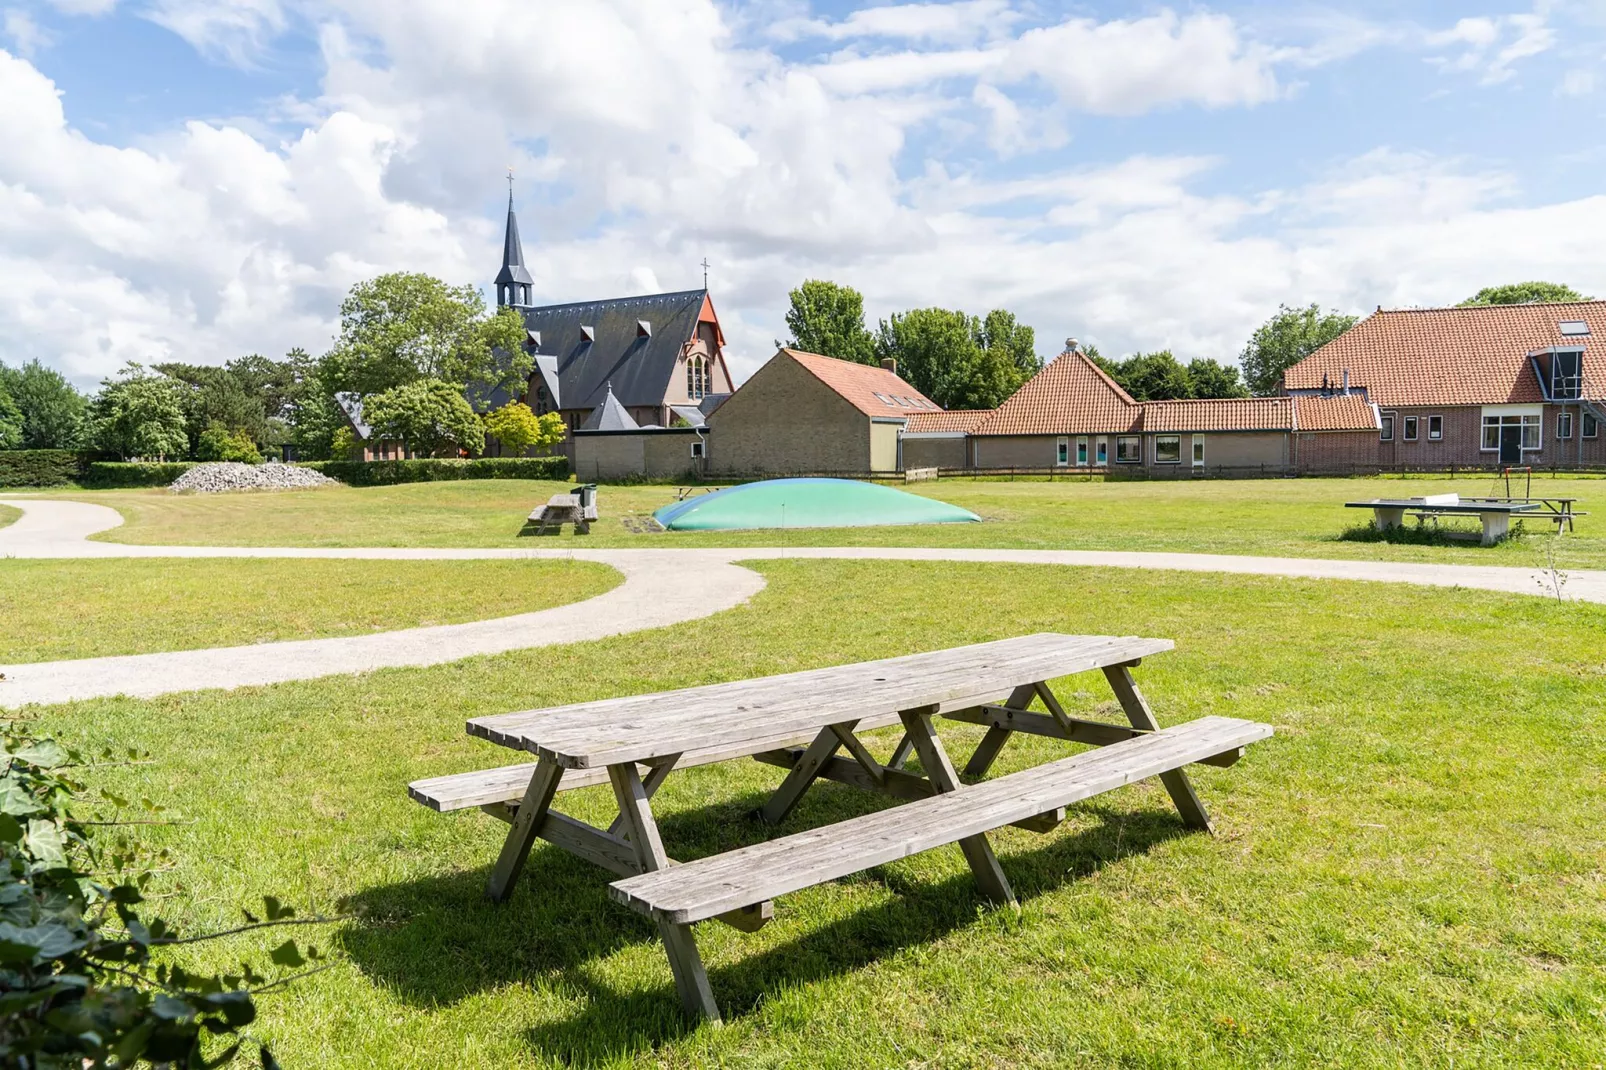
(1388, 513)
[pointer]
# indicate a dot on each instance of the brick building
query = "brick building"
(1480, 386)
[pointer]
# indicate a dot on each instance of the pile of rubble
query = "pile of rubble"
(215, 478)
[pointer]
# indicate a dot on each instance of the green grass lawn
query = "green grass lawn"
(80, 609)
(8, 515)
(1292, 517)
(1410, 873)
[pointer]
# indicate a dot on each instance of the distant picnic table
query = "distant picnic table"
(1494, 513)
(800, 721)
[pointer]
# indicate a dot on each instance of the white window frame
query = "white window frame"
(1081, 451)
(1524, 420)
(1101, 452)
(1410, 428)
(1435, 428)
(1176, 440)
(1590, 427)
(1137, 454)
(1564, 425)
(1386, 426)
(1062, 452)
(1198, 451)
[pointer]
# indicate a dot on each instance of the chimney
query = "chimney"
(1345, 390)
(889, 365)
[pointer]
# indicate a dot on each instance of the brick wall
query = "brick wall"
(783, 420)
(1463, 435)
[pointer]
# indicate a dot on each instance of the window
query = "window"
(1564, 425)
(1128, 449)
(1198, 451)
(1492, 425)
(1081, 451)
(1101, 451)
(697, 378)
(1410, 428)
(1435, 428)
(1167, 449)
(888, 402)
(1388, 427)
(696, 449)
(1062, 452)
(1591, 425)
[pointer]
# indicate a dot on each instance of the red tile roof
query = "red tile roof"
(1453, 356)
(1070, 396)
(1228, 414)
(1340, 412)
(949, 420)
(870, 388)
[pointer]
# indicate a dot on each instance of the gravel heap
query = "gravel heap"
(215, 478)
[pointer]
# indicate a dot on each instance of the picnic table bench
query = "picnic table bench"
(578, 507)
(801, 721)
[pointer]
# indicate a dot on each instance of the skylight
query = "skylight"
(1573, 328)
(885, 400)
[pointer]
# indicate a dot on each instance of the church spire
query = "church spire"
(513, 282)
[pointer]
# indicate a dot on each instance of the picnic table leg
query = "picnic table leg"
(802, 775)
(996, 737)
(521, 836)
(934, 760)
(1176, 781)
(900, 753)
(1495, 527)
(691, 980)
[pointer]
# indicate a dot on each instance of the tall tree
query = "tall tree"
(429, 416)
(1013, 341)
(1212, 379)
(405, 327)
(1523, 293)
(1286, 339)
(139, 415)
(10, 421)
(216, 399)
(52, 410)
(828, 319)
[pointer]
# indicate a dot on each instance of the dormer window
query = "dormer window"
(588, 334)
(643, 329)
(1566, 374)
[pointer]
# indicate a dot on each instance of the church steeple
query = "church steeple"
(514, 285)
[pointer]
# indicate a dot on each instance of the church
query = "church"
(618, 364)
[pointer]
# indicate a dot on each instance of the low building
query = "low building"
(1478, 386)
(940, 439)
(805, 413)
(611, 445)
(1073, 415)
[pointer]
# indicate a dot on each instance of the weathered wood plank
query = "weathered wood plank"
(521, 834)
(997, 735)
(641, 728)
(814, 756)
(714, 885)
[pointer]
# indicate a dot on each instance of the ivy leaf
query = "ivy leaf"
(10, 829)
(15, 800)
(45, 753)
(287, 954)
(37, 943)
(44, 843)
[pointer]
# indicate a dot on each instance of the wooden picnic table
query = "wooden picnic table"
(1389, 513)
(800, 721)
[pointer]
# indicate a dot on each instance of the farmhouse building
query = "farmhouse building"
(1484, 385)
(661, 356)
(805, 413)
(1073, 415)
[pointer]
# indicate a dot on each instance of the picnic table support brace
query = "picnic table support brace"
(691, 980)
(934, 760)
(803, 774)
(654, 780)
(993, 742)
(1176, 782)
(526, 824)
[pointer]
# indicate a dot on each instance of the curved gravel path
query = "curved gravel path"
(661, 587)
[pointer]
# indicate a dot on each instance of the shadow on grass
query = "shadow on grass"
(437, 940)
(1424, 535)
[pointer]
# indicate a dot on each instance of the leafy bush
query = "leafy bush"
(41, 468)
(118, 474)
(429, 416)
(82, 977)
(221, 444)
(429, 470)
(517, 427)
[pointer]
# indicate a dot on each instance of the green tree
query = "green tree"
(1157, 376)
(1014, 342)
(217, 398)
(1523, 293)
(52, 411)
(1212, 379)
(828, 319)
(220, 444)
(517, 428)
(429, 416)
(139, 415)
(10, 421)
(405, 327)
(1286, 339)
(945, 355)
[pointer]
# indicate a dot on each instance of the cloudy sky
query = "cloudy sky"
(198, 179)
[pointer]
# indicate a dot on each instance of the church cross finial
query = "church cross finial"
(705, 272)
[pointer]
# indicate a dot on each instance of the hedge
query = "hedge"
(103, 475)
(429, 470)
(41, 468)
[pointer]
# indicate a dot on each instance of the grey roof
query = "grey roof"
(351, 405)
(513, 269)
(711, 402)
(547, 367)
(690, 413)
(609, 416)
(638, 366)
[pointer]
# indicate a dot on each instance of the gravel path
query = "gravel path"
(661, 587)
